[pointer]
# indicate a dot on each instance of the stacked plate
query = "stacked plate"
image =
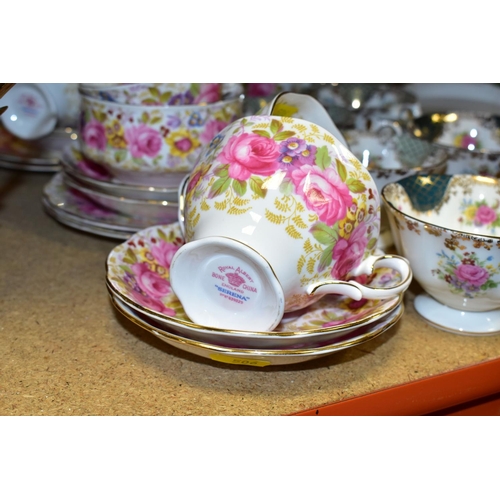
(138, 284)
(41, 155)
(85, 196)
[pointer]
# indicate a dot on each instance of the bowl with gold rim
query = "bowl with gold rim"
(448, 227)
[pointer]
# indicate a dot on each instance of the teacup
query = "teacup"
(277, 213)
(471, 139)
(36, 109)
(448, 227)
(389, 154)
(151, 145)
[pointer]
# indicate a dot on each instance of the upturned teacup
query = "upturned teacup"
(277, 213)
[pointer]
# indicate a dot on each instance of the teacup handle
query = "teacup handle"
(181, 196)
(356, 291)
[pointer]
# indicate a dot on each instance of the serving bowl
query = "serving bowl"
(155, 94)
(151, 145)
(448, 227)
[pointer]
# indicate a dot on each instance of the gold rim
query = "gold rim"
(261, 352)
(374, 316)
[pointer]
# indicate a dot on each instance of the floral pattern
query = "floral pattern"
(159, 139)
(323, 196)
(139, 269)
(466, 273)
(160, 94)
(479, 214)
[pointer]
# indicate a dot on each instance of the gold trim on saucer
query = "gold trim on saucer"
(161, 317)
(162, 334)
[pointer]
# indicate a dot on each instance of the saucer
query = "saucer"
(470, 323)
(262, 357)
(99, 179)
(78, 207)
(82, 225)
(138, 274)
(155, 211)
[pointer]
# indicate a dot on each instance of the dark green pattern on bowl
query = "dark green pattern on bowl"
(425, 191)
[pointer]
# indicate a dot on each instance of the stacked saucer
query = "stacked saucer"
(40, 155)
(86, 197)
(138, 282)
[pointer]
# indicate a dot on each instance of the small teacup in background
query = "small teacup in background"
(389, 155)
(277, 213)
(448, 227)
(471, 140)
(36, 109)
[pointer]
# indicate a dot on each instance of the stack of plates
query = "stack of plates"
(41, 155)
(86, 197)
(138, 284)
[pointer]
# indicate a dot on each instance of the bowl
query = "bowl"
(471, 139)
(155, 94)
(151, 145)
(448, 227)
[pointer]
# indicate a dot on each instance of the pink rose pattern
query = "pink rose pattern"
(348, 253)
(480, 215)
(485, 215)
(145, 270)
(324, 192)
(94, 135)
(249, 154)
(240, 162)
(143, 141)
(466, 274)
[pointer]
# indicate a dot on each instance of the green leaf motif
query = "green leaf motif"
(262, 133)
(286, 187)
(371, 244)
(156, 119)
(275, 127)
(165, 97)
(120, 155)
(162, 235)
(341, 170)
(323, 159)
(145, 117)
(281, 136)
(195, 88)
(130, 256)
(240, 187)
(154, 92)
(326, 258)
(326, 235)
(256, 186)
(222, 170)
(355, 185)
(219, 186)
